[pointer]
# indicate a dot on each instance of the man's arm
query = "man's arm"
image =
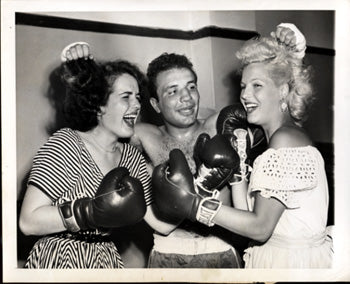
(210, 124)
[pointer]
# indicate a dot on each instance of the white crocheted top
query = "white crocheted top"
(297, 178)
(280, 173)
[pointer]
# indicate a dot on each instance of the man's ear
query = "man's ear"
(155, 104)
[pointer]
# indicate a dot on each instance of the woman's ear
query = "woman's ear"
(102, 111)
(155, 104)
(284, 91)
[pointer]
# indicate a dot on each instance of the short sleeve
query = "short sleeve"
(284, 172)
(54, 165)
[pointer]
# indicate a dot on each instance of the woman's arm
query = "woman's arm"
(161, 226)
(38, 216)
(239, 195)
(257, 225)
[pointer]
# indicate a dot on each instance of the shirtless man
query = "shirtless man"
(174, 95)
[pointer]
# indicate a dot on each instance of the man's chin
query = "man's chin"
(187, 124)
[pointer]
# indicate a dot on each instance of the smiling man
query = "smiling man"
(174, 95)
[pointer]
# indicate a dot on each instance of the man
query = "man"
(174, 95)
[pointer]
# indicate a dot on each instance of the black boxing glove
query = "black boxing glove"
(216, 162)
(230, 118)
(248, 140)
(119, 201)
(175, 195)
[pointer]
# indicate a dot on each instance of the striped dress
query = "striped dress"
(64, 170)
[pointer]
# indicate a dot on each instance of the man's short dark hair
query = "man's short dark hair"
(164, 62)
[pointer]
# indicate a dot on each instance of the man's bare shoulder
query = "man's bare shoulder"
(143, 128)
(145, 134)
(209, 124)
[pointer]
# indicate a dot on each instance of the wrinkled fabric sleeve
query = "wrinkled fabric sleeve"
(283, 173)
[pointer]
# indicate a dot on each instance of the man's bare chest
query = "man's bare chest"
(158, 149)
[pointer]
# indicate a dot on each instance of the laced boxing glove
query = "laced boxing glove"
(175, 194)
(248, 140)
(216, 162)
(119, 201)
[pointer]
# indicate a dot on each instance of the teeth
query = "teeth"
(129, 116)
(251, 105)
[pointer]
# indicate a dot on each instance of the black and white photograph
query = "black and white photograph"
(197, 141)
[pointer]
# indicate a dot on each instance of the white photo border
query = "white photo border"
(11, 273)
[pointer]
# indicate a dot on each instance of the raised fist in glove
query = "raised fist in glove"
(175, 194)
(119, 201)
(216, 162)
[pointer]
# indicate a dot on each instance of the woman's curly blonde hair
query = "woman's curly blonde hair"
(283, 68)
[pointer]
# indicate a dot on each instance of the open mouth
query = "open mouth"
(130, 119)
(250, 107)
(189, 110)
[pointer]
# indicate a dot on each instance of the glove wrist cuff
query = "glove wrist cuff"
(67, 214)
(207, 210)
(203, 192)
(242, 176)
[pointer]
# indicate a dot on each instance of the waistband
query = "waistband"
(287, 242)
(86, 237)
(189, 246)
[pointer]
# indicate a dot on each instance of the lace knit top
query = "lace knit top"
(297, 178)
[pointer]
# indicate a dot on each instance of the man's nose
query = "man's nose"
(185, 95)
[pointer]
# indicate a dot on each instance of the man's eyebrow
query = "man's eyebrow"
(171, 86)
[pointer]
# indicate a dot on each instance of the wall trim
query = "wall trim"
(101, 27)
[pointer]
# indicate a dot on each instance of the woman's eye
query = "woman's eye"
(257, 85)
(138, 97)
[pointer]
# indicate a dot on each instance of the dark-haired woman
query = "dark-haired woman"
(102, 105)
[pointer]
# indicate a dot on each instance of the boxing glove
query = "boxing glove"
(248, 140)
(175, 195)
(216, 162)
(119, 201)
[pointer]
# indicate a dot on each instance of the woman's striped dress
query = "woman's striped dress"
(64, 170)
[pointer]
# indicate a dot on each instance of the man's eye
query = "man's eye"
(171, 92)
(192, 87)
(257, 85)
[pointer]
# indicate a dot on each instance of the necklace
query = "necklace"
(114, 148)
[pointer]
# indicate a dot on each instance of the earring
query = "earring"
(283, 106)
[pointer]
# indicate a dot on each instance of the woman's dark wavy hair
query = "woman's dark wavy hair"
(89, 85)
(165, 62)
